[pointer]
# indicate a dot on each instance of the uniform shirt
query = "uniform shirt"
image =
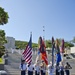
(61, 68)
(30, 67)
(43, 69)
(23, 67)
(50, 69)
(37, 68)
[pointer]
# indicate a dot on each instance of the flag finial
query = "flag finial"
(30, 33)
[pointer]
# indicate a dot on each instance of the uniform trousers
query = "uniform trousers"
(42, 73)
(57, 72)
(30, 72)
(23, 72)
(37, 73)
(61, 72)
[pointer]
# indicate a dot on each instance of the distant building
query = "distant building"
(67, 50)
(10, 42)
(72, 49)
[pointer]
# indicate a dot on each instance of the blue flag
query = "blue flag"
(58, 57)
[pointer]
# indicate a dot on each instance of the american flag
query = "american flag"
(27, 54)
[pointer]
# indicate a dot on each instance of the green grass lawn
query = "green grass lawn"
(1, 61)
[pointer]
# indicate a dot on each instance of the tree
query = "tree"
(3, 20)
(69, 44)
(73, 41)
(34, 45)
(48, 44)
(2, 42)
(2, 37)
(3, 16)
(23, 44)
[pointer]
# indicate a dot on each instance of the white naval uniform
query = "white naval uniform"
(30, 69)
(37, 69)
(43, 70)
(50, 70)
(23, 68)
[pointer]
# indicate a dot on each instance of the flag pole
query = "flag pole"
(30, 33)
(53, 46)
(31, 40)
(62, 49)
(44, 43)
(44, 35)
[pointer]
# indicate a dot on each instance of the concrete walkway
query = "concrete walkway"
(13, 63)
(14, 60)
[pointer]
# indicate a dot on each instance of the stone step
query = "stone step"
(14, 73)
(11, 71)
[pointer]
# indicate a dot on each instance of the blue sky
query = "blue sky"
(58, 17)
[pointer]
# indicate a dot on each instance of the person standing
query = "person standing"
(61, 68)
(50, 69)
(57, 69)
(43, 68)
(67, 67)
(30, 68)
(23, 67)
(37, 68)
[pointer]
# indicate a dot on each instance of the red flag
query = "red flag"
(43, 51)
(62, 47)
